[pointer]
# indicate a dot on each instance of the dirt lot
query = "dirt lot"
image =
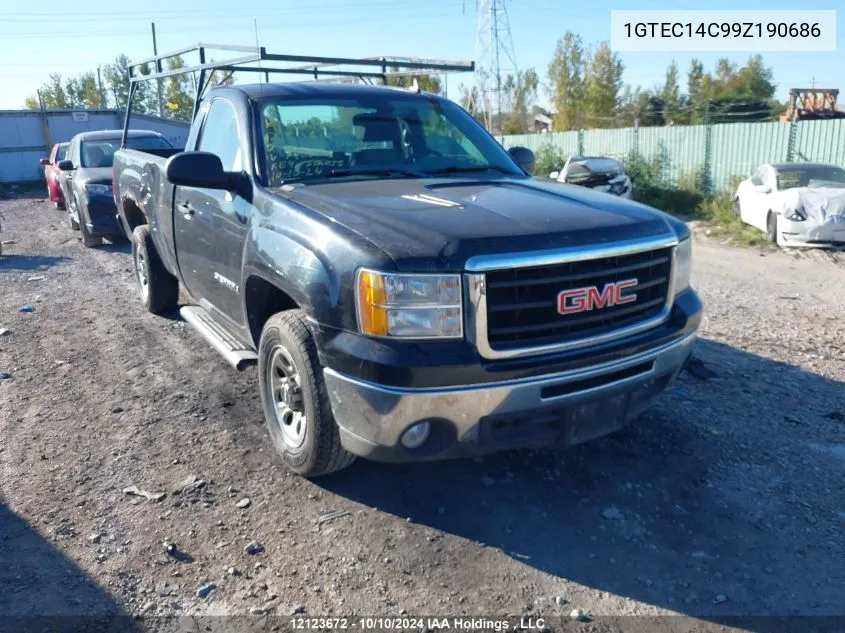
(728, 498)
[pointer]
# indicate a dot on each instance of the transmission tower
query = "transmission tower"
(495, 58)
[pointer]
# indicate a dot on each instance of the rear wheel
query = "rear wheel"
(295, 399)
(159, 290)
(772, 227)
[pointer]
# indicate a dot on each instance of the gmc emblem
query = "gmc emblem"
(589, 298)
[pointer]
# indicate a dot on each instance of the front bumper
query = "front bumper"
(102, 216)
(562, 408)
(809, 234)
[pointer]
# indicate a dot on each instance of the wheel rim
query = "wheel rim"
(286, 397)
(141, 273)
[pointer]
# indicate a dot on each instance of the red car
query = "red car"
(52, 173)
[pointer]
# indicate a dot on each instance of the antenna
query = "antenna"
(258, 49)
(494, 57)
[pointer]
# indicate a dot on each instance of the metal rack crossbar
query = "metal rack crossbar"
(318, 68)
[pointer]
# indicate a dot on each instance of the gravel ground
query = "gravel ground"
(725, 499)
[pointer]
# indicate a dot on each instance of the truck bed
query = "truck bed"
(142, 188)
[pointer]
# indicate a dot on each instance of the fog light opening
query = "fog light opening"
(416, 435)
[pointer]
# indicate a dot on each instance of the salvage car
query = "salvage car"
(87, 180)
(52, 173)
(795, 204)
(596, 172)
(403, 303)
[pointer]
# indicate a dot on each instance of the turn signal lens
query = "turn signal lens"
(372, 315)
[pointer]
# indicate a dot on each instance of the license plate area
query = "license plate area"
(565, 424)
(595, 418)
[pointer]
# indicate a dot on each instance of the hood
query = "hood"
(818, 204)
(598, 178)
(94, 175)
(439, 223)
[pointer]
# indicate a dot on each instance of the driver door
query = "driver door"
(211, 225)
(758, 203)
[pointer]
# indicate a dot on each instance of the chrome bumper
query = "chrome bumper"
(373, 417)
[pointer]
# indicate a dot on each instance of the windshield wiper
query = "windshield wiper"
(456, 169)
(356, 171)
(373, 171)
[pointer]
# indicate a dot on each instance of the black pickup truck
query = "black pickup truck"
(406, 288)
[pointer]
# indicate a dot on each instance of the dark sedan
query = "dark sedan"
(87, 180)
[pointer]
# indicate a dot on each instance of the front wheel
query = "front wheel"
(88, 240)
(772, 227)
(159, 290)
(295, 399)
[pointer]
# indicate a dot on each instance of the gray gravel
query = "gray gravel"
(729, 492)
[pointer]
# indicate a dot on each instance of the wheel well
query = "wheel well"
(134, 216)
(264, 300)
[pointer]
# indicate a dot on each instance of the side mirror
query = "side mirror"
(200, 169)
(524, 157)
(554, 175)
(763, 189)
(44, 161)
(65, 165)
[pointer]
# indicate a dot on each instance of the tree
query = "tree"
(53, 95)
(753, 81)
(470, 100)
(116, 85)
(519, 94)
(566, 75)
(671, 95)
(603, 83)
(178, 99)
(695, 97)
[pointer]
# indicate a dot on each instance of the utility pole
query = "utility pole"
(100, 86)
(158, 70)
(494, 57)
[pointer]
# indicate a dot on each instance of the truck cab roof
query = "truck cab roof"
(260, 92)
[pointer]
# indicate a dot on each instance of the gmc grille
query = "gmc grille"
(522, 302)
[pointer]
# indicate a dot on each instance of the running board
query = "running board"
(225, 344)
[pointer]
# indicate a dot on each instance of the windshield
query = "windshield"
(61, 152)
(402, 136)
(811, 177)
(100, 152)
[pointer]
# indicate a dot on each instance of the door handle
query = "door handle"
(187, 210)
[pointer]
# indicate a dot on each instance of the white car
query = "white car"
(598, 173)
(795, 204)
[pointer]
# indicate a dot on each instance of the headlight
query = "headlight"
(409, 306)
(98, 190)
(796, 215)
(683, 265)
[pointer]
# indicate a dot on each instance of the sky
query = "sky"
(73, 37)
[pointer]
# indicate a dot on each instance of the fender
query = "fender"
(289, 262)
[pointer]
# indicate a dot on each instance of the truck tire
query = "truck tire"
(88, 240)
(74, 225)
(295, 399)
(159, 290)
